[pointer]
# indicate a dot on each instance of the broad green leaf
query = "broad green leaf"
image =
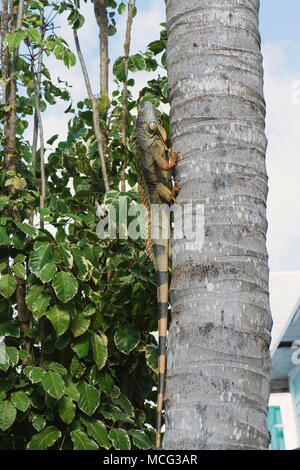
(66, 410)
(66, 254)
(20, 400)
(13, 355)
(80, 262)
(107, 384)
(79, 324)
(44, 439)
(53, 384)
(97, 430)
(76, 367)
(59, 318)
(7, 328)
(121, 8)
(89, 398)
(36, 374)
(81, 346)
(136, 63)
(82, 441)
(32, 295)
(19, 270)
(14, 39)
(114, 413)
(65, 286)
(120, 439)
(34, 34)
(27, 229)
(8, 285)
(99, 344)
(125, 404)
(55, 367)
(141, 440)
(126, 338)
(39, 257)
(119, 69)
(8, 414)
(71, 389)
(40, 305)
(152, 357)
(38, 422)
(47, 272)
(4, 238)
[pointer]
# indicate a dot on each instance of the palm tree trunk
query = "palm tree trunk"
(217, 386)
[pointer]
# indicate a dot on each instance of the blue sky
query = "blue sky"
(279, 28)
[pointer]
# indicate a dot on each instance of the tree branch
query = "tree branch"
(97, 130)
(131, 7)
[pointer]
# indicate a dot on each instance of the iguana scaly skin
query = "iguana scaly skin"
(155, 187)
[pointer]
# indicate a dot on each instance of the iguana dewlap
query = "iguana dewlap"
(155, 188)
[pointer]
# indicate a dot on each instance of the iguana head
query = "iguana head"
(148, 126)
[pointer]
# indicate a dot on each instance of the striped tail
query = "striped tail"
(160, 254)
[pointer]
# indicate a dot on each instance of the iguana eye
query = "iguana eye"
(152, 126)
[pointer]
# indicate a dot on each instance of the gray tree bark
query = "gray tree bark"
(218, 362)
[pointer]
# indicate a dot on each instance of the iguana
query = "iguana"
(155, 187)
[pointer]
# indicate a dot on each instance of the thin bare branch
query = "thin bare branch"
(131, 7)
(97, 130)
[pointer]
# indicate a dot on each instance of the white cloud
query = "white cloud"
(283, 163)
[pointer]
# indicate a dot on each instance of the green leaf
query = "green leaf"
(38, 422)
(99, 344)
(119, 69)
(14, 39)
(55, 367)
(65, 286)
(81, 346)
(79, 324)
(8, 414)
(126, 338)
(44, 439)
(53, 384)
(8, 285)
(82, 441)
(47, 272)
(136, 63)
(141, 440)
(32, 295)
(107, 384)
(19, 270)
(13, 355)
(28, 229)
(20, 400)
(97, 430)
(36, 374)
(125, 404)
(121, 8)
(59, 318)
(152, 357)
(76, 367)
(39, 257)
(66, 410)
(89, 398)
(120, 439)
(7, 328)
(40, 305)
(34, 34)
(4, 238)
(71, 390)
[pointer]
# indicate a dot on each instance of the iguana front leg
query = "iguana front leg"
(163, 164)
